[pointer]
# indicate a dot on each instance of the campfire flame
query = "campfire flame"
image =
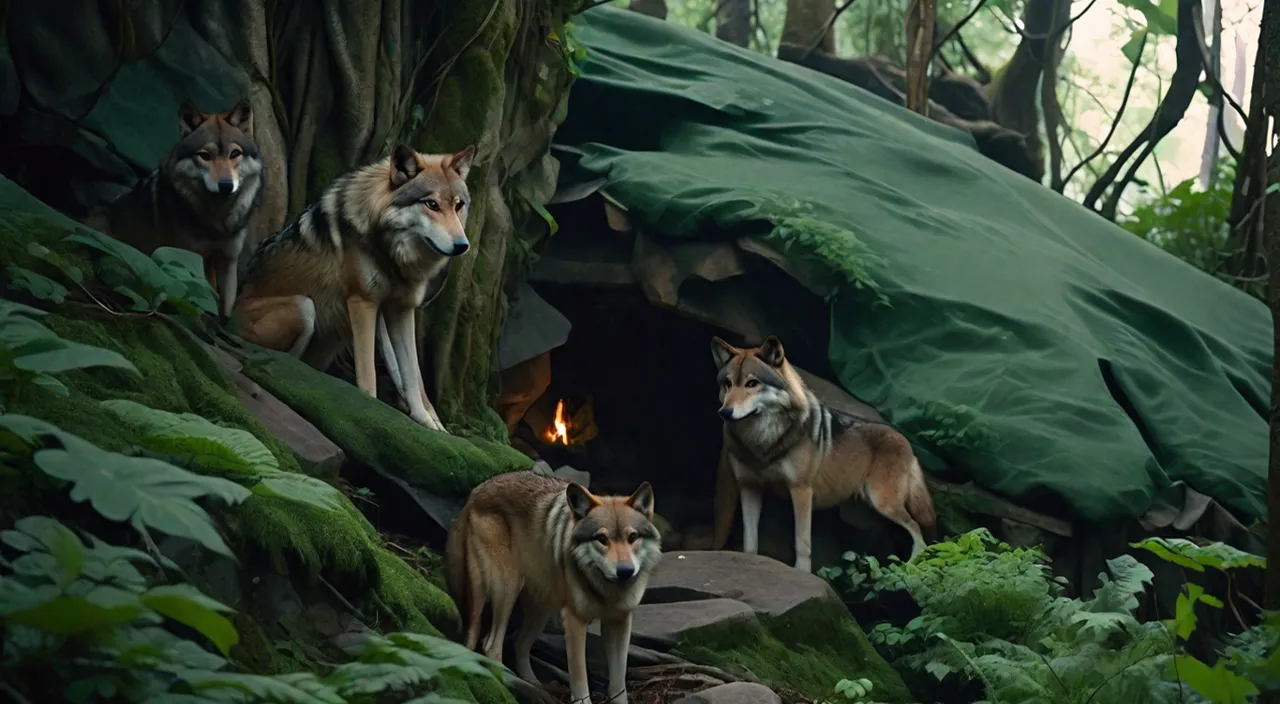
(559, 430)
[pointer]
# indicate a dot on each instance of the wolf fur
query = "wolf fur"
(553, 545)
(200, 197)
(778, 434)
(356, 265)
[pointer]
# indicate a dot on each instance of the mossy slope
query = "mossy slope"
(179, 375)
(806, 650)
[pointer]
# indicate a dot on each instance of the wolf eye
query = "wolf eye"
(204, 156)
(432, 204)
(751, 383)
(633, 537)
(459, 205)
(602, 539)
(235, 153)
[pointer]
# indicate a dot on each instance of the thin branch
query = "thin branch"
(956, 29)
(1210, 69)
(1124, 102)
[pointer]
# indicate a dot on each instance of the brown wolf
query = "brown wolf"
(199, 198)
(778, 435)
(553, 545)
(356, 265)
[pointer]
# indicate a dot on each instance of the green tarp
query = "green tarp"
(1050, 355)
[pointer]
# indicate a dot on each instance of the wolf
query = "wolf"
(777, 434)
(355, 266)
(552, 545)
(199, 198)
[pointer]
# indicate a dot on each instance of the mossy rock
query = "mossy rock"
(807, 650)
(377, 435)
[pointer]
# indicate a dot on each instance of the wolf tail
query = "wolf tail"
(920, 502)
(457, 574)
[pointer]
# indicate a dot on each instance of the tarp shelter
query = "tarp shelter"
(1014, 336)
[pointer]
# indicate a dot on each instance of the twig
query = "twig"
(1210, 69)
(955, 30)
(1124, 102)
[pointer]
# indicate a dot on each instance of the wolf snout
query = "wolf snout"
(726, 413)
(626, 572)
(460, 247)
(226, 186)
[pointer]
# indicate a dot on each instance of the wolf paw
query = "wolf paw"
(427, 421)
(804, 565)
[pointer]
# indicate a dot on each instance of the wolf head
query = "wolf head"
(753, 381)
(429, 202)
(613, 537)
(215, 151)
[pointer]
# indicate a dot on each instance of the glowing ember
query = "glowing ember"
(559, 430)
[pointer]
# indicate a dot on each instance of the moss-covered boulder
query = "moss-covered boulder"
(784, 627)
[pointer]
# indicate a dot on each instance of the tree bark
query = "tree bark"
(1269, 39)
(652, 8)
(733, 23)
(805, 24)
(1244, 222)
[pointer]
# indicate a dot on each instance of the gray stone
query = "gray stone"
(670, 621)
(766, 585)
(733, 693)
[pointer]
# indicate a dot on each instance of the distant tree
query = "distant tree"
(809, 23)
(652, 8)
(733, 23)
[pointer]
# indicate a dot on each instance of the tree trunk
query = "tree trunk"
(1209, 155)
(1244, 222)
(733, 24)
(1014, 88)
(1269, 40)
(652, 8)
(805, 24)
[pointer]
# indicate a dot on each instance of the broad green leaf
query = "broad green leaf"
(1217, 684)
(69, 615)
(51, 385)
(8, 308)
(60, 544)
(301, 488)
(158, 649)
(142, 266)
(1184, 553)
(185, 604)
(37, 285)
(16, 331)
(148, 492)
(1134, 48)
(434, 698)
(72, 355)
(185, 270)
(1158, 20)
(210, 446)
(263, 689)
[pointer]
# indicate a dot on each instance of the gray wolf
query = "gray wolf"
(554, 546)
(356, 265)
(199, 198)
(778, 435)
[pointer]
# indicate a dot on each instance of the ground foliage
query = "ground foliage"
(85, 619)
(993, 622)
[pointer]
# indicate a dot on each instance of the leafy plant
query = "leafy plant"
(854, 690)
(31, 353)
(83, 620)
(196, 443)
(146, 492)
(992, 615)
(170, 275)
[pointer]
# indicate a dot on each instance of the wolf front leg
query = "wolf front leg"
(401, 330)
(575, 649)
(802, 503)
(752, 500)
(617, 641)
(364, 317)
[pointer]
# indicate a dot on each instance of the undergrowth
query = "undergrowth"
(995, 626)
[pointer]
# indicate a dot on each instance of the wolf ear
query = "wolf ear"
(580, 500)
(722, 351)
(241, 116)
(189, 118)
(404, 165)
(771, 351)
(461, 162)
(642, 500)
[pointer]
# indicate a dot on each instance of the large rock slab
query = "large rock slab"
(670, 621)
(766, 585)
(317, 455)
(733, 693)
